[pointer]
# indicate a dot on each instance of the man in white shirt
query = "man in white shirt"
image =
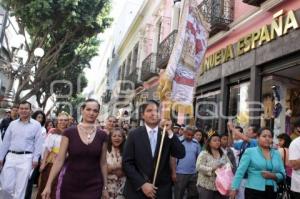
(294, 159)
(22, 147)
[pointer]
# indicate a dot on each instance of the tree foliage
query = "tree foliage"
(67, 31)
(75, 102)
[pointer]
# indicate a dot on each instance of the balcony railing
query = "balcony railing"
(219, 13)
(254, 2)
(132, 78)
(126, 87)
(121, 95)
(149, 68)
(107, 96)
(165, 49)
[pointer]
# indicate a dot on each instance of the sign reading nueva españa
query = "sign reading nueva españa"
(281, 25)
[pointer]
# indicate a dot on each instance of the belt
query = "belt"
(20, 152)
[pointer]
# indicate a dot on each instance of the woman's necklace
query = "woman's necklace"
(116, 154)
(88, 131)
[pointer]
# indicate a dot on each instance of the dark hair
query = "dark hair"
(90, 100)
(263, 129)
(204, 135)
(254, 128)
(26, 102)
(15, 106)
(36, 113)
(207, 147)
(48, 122)
(109, 144)
(189, 128)
(147, 103)
(224, 135)
(286, 138)
(240, 129)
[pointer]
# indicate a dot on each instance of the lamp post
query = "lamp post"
(17, 67)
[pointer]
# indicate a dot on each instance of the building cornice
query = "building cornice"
(135, 23)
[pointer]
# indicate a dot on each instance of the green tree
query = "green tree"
(75, 102)
(67, 30)
(72, 76)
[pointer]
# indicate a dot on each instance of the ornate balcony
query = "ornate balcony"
(219, 13)
(149, 67)
(106, 96)
(133, 78)
(125, 89)
(121, 96)
(165, 49)
(254, 2)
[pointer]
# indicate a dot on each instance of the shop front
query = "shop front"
(207, 110)
(254, 80)
(281, 95)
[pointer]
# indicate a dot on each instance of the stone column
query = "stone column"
(255, 96)
(223, 105)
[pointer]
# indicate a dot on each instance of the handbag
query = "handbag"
(224, 179)
(284, 191)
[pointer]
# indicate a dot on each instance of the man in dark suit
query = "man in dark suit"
(140, 157)
(6, 121)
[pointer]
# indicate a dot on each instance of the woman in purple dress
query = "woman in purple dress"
(86, 168)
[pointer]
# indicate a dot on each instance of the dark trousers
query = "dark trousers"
(296, 195)
(269, 193)
(31, 181)
(209, 194)
(43, 181)
(186, 182)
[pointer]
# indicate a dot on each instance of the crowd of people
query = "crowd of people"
(64, 159)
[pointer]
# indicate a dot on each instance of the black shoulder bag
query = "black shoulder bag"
(284, 191)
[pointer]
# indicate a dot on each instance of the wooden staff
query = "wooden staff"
(159, 154)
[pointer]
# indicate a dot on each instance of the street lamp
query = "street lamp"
(39, 52)
(17, 67)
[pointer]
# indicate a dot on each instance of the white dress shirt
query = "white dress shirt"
(152, 134)
(23, 136)
(155, 132)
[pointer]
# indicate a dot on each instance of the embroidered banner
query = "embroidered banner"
(187, 54)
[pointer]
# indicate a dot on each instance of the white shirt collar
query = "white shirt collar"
(28, 121)
(149, 129)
